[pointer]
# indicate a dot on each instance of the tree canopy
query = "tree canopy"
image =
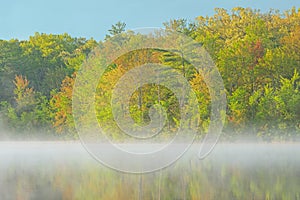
(257, 55)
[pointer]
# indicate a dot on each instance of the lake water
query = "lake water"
(64, 170)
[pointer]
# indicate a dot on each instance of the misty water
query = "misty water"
(64, 170)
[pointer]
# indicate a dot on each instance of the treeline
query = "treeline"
(256, 53)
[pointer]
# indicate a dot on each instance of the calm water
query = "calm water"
(57, 170)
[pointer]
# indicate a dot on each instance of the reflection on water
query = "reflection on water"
(233, 171)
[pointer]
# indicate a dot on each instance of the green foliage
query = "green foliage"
(256, 53)
(278, 109)
(116, 29)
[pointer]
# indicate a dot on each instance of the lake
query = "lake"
(64, 170)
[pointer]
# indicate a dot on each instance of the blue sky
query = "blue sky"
(92, 18)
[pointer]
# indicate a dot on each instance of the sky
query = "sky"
(93, 18)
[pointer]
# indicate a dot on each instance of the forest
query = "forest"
(257, 55)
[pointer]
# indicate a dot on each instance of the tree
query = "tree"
(44, 56)
(10, 63)
(25, 96)
(61, 104)
(116, 29)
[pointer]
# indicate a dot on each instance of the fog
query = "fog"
(54, 170)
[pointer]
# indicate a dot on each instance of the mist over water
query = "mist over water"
(64, 170)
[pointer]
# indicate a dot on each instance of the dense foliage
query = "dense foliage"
(256, 53)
